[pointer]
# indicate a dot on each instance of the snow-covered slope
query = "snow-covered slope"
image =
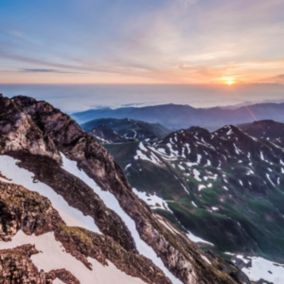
(111, 202)
(21, 176)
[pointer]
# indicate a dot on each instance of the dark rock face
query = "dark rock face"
(31, 128)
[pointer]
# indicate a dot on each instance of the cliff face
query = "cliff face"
(40, 140)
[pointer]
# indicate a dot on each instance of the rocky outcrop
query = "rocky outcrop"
(63, 275)
(17, 267)
(19, 132)
(23, 209)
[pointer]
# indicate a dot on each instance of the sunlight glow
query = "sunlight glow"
(229, 80)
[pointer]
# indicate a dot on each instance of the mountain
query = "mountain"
(183, 116)
(123, 130)
(268, 130)
(68, 214)
(226, 186)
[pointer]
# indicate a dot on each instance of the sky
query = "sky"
(203, 42)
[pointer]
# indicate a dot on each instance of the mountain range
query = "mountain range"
(225, 186)
(69, 215)
(175, 117)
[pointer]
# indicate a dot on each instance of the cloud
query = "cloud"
(44, 70)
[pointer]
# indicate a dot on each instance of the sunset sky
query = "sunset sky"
(142, 41)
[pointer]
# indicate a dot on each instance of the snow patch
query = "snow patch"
(215, 208)
(262, 268)
(150, 157)
(201, 187)
(237, 150)
(270, 180)
(196, 174)
(153, 200)
(197, 239)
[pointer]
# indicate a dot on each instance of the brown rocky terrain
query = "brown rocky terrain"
(24, 210)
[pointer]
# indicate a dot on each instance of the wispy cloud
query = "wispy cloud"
(177, 41)
(44, 70)
(278, 79)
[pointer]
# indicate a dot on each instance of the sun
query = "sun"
(229, 80)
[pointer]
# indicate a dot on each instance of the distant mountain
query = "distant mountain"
(68, 214)
(266, 130)
(184, 116)
(226, 186)
(123, 130)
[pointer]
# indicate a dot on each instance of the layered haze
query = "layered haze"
(74, 98)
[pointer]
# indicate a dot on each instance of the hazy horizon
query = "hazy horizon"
(72, 98)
